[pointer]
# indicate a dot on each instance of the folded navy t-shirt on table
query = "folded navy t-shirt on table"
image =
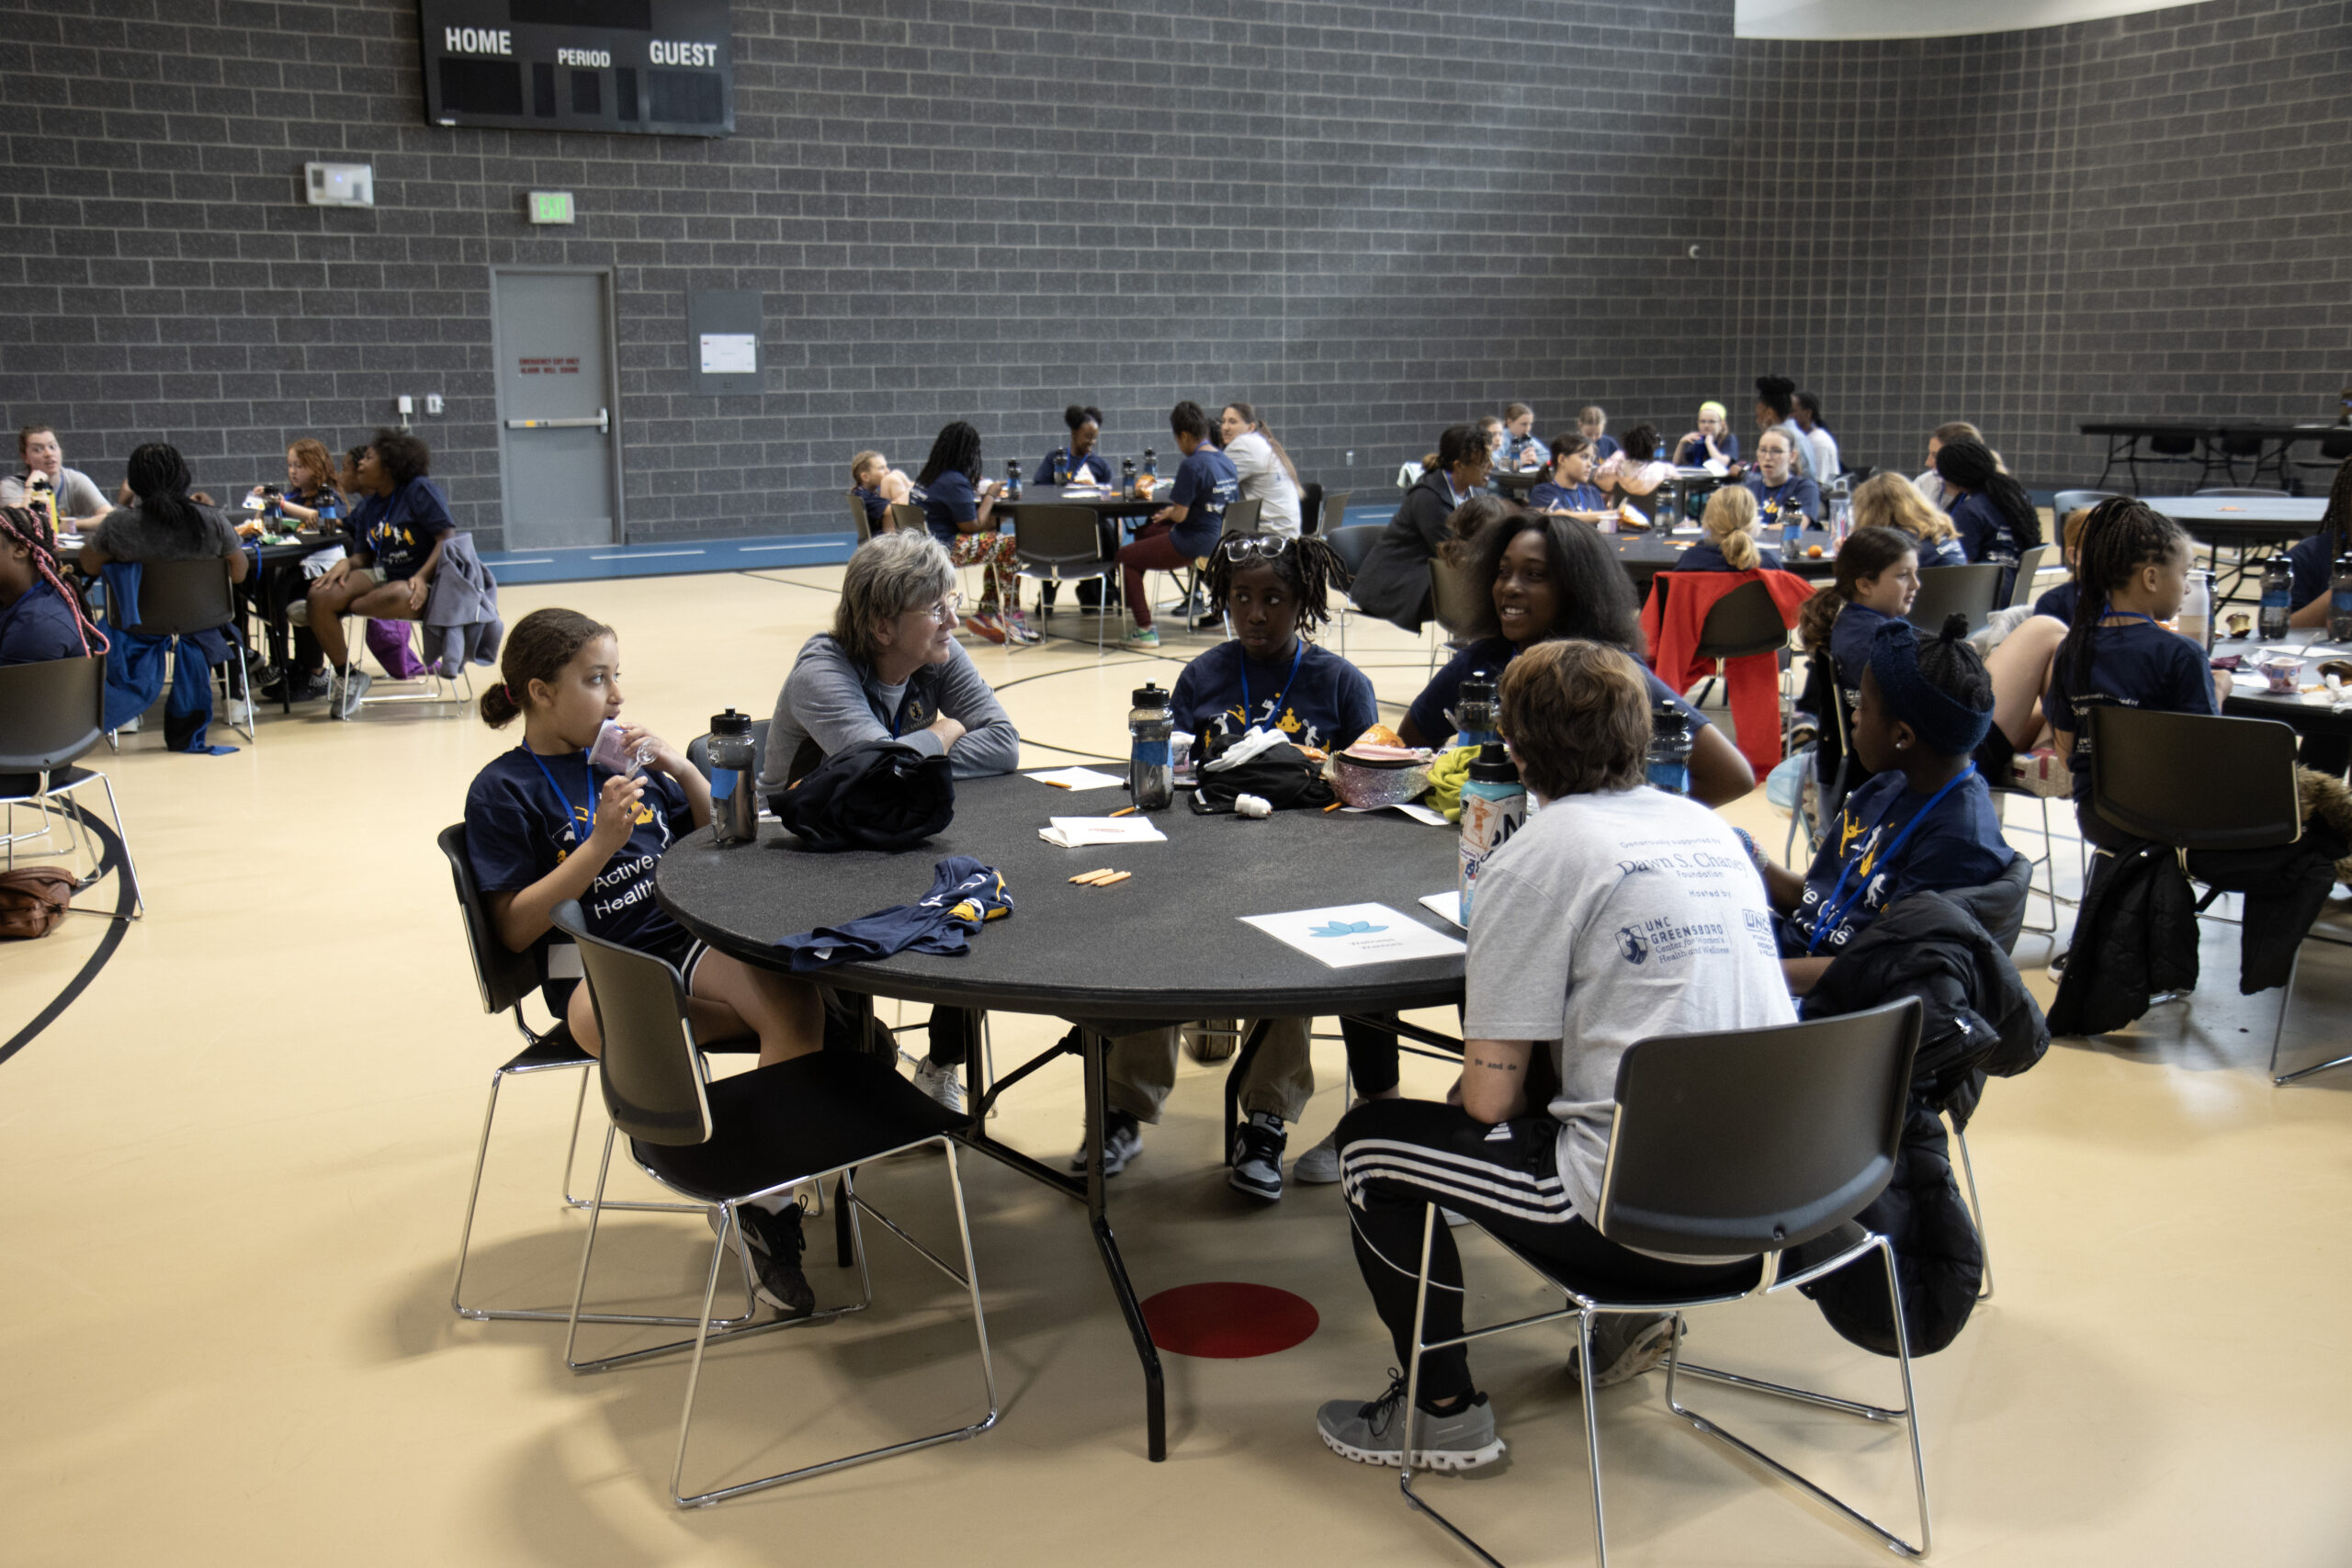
(965, 896)
(1960, 845)
(517, 830)
(1328, 705)
(2138, 665)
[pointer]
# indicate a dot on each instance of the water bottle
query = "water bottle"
(2196, 618)
(2278, 594)
(330, 508)
(1151, 762)
(1494, 805)
(1061, 467)
(1012, 479)
(1127, 477)
(1151, 462)
(1792, 529)
(1841, 512)
(1475, 715)
(1669, 757)
(2339, 600)
(734, 788)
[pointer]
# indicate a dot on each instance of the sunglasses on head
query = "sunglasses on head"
(1254, 546)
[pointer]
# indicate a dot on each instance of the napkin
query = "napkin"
(1079, 832)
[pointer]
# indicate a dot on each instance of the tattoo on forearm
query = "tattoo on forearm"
(1497, 1067)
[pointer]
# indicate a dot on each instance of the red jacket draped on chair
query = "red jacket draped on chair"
(1678, 608)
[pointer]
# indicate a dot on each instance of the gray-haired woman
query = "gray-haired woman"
(892, 669)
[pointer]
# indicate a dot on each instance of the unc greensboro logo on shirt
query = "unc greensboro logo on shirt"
(1630, 943)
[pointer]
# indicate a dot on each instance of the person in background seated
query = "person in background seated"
(958, 515)
(891, 670)
(1076, 461)
(1826, 464)
(1592, 423)
(1522, 453)
(1269, 676)
(878, 487)
(40, 619)
(1779, 490)
(1924, 821)
(398, 530)
(1262, 470)
(1878, 576)
(1618, 913)
(2058, 603)
(2312, 560)
(1776, 402)
(1394, 582)
(2131, 573)
(1555, 577)
(67, 499)
(309, 499)
(1632, 473)
(1890, 501)
(1993, 514)
(1712, 440)
(546, 825)
(1187, 527)
(1730, 545)
(1496, 439)
(1570, 490)
(1929, 483)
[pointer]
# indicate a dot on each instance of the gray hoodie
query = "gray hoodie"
(830, 701)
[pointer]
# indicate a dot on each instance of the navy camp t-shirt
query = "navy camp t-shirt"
(1960, 845)
(1205, 485)
(2135, 665)
(1709, 556)
(399, 529)
(1985, 531)
(1849, 649)
(945, 502)
(517, 831)
(1326, 704)
(1550, 497)
(2059, 603)
(1491, 654)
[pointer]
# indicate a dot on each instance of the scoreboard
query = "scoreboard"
(648, 67)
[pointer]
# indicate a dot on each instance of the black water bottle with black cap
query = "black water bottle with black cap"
(2278, 598)
(734, 786)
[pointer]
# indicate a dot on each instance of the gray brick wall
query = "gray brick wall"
(2145, 215)
(1372, 219)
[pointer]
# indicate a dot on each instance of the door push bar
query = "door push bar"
(602, 421)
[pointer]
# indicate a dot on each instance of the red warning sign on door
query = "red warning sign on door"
(548, 366)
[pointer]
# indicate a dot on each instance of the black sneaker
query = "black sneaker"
(1258, 1148)
(308, 688)
(1122, 1140)
(777, 1244)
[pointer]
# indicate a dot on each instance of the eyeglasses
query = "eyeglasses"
(944, 613)
(1254, 546)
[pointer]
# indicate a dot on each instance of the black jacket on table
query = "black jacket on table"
(2136, 937)
(1394, 582)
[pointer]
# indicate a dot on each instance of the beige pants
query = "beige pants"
(1139, 1070)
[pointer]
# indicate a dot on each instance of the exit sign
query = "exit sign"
(550, 206)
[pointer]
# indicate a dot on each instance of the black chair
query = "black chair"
(906, 514)
(861, 526)
(52, 714)
(1742, 623)
(1243, 516)
(2067, 500)
(1352, 545)
(2166, 449)
(1974, 591)
(506, 978)
(1064, 544)
(2195, 781)
(2334, 448)
(1310, 507)
(1333, 515)
(2032, 564)
(1747, 1145)
(1458, 598)
(2236, 446)
(724, 1142)
(177, 598)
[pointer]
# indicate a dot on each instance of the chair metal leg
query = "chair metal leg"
(1907, 1414)
(1975, 1210)
(2279, 1030)
(129, 866)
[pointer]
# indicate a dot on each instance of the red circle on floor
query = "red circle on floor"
(1227, 1320)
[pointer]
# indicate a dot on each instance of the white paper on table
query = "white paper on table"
(1077, 832)
(1347, 935)
(1446, 907)
(1079, 778)
(1413, 809)
(1717, 466)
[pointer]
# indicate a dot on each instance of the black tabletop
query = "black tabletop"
(2307, 717)
(1645, 555)
(1166, 945)
(2268, 430)
(1104, 505)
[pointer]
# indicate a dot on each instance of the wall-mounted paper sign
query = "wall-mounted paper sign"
(729, 354)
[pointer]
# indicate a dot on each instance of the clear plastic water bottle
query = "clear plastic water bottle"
(2197, 611)
(1151, 762)
(1494, 805)
(1061, 467)
(1475, 715)
(1127, 477)
(2277, 597)
(1792, 529)
(1151, 462)
(1669, 756)
(2339, 600)
(1841, 512)
(734, 786)
(1012, 479)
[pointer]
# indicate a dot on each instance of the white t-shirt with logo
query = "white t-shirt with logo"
(1610, 919)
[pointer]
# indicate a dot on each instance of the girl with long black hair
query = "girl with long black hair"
(1995, 519)
(960, 518)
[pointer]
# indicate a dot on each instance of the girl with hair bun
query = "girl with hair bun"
(1076, 460)
(1730, 544)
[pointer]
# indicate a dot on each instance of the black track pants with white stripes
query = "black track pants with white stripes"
(1399, 1155)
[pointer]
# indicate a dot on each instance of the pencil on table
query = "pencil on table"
(1333, 806)
(1119, 877)
(1125, 811)
(1091, 875)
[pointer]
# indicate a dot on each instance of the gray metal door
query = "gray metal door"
(558, 433)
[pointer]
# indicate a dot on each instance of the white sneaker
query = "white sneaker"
(129, 725)
(240, 713)
(941, 1084)
(353, 692)
(1318, 1166)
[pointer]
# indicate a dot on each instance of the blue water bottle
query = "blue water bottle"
(1494, 805)
(1670, 754)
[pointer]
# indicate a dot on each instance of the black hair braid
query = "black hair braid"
(956, 447)
(19, 526)
(2121, 536)
(1953, 667)
(1307, 567)
(158, 475)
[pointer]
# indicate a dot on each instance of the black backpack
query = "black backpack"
(876, 794)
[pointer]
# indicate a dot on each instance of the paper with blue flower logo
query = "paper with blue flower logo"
(1350, 934)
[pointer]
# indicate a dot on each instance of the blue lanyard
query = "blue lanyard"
(1833, 909)
(2128, 616)
(564, 799)
(1247, 711)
